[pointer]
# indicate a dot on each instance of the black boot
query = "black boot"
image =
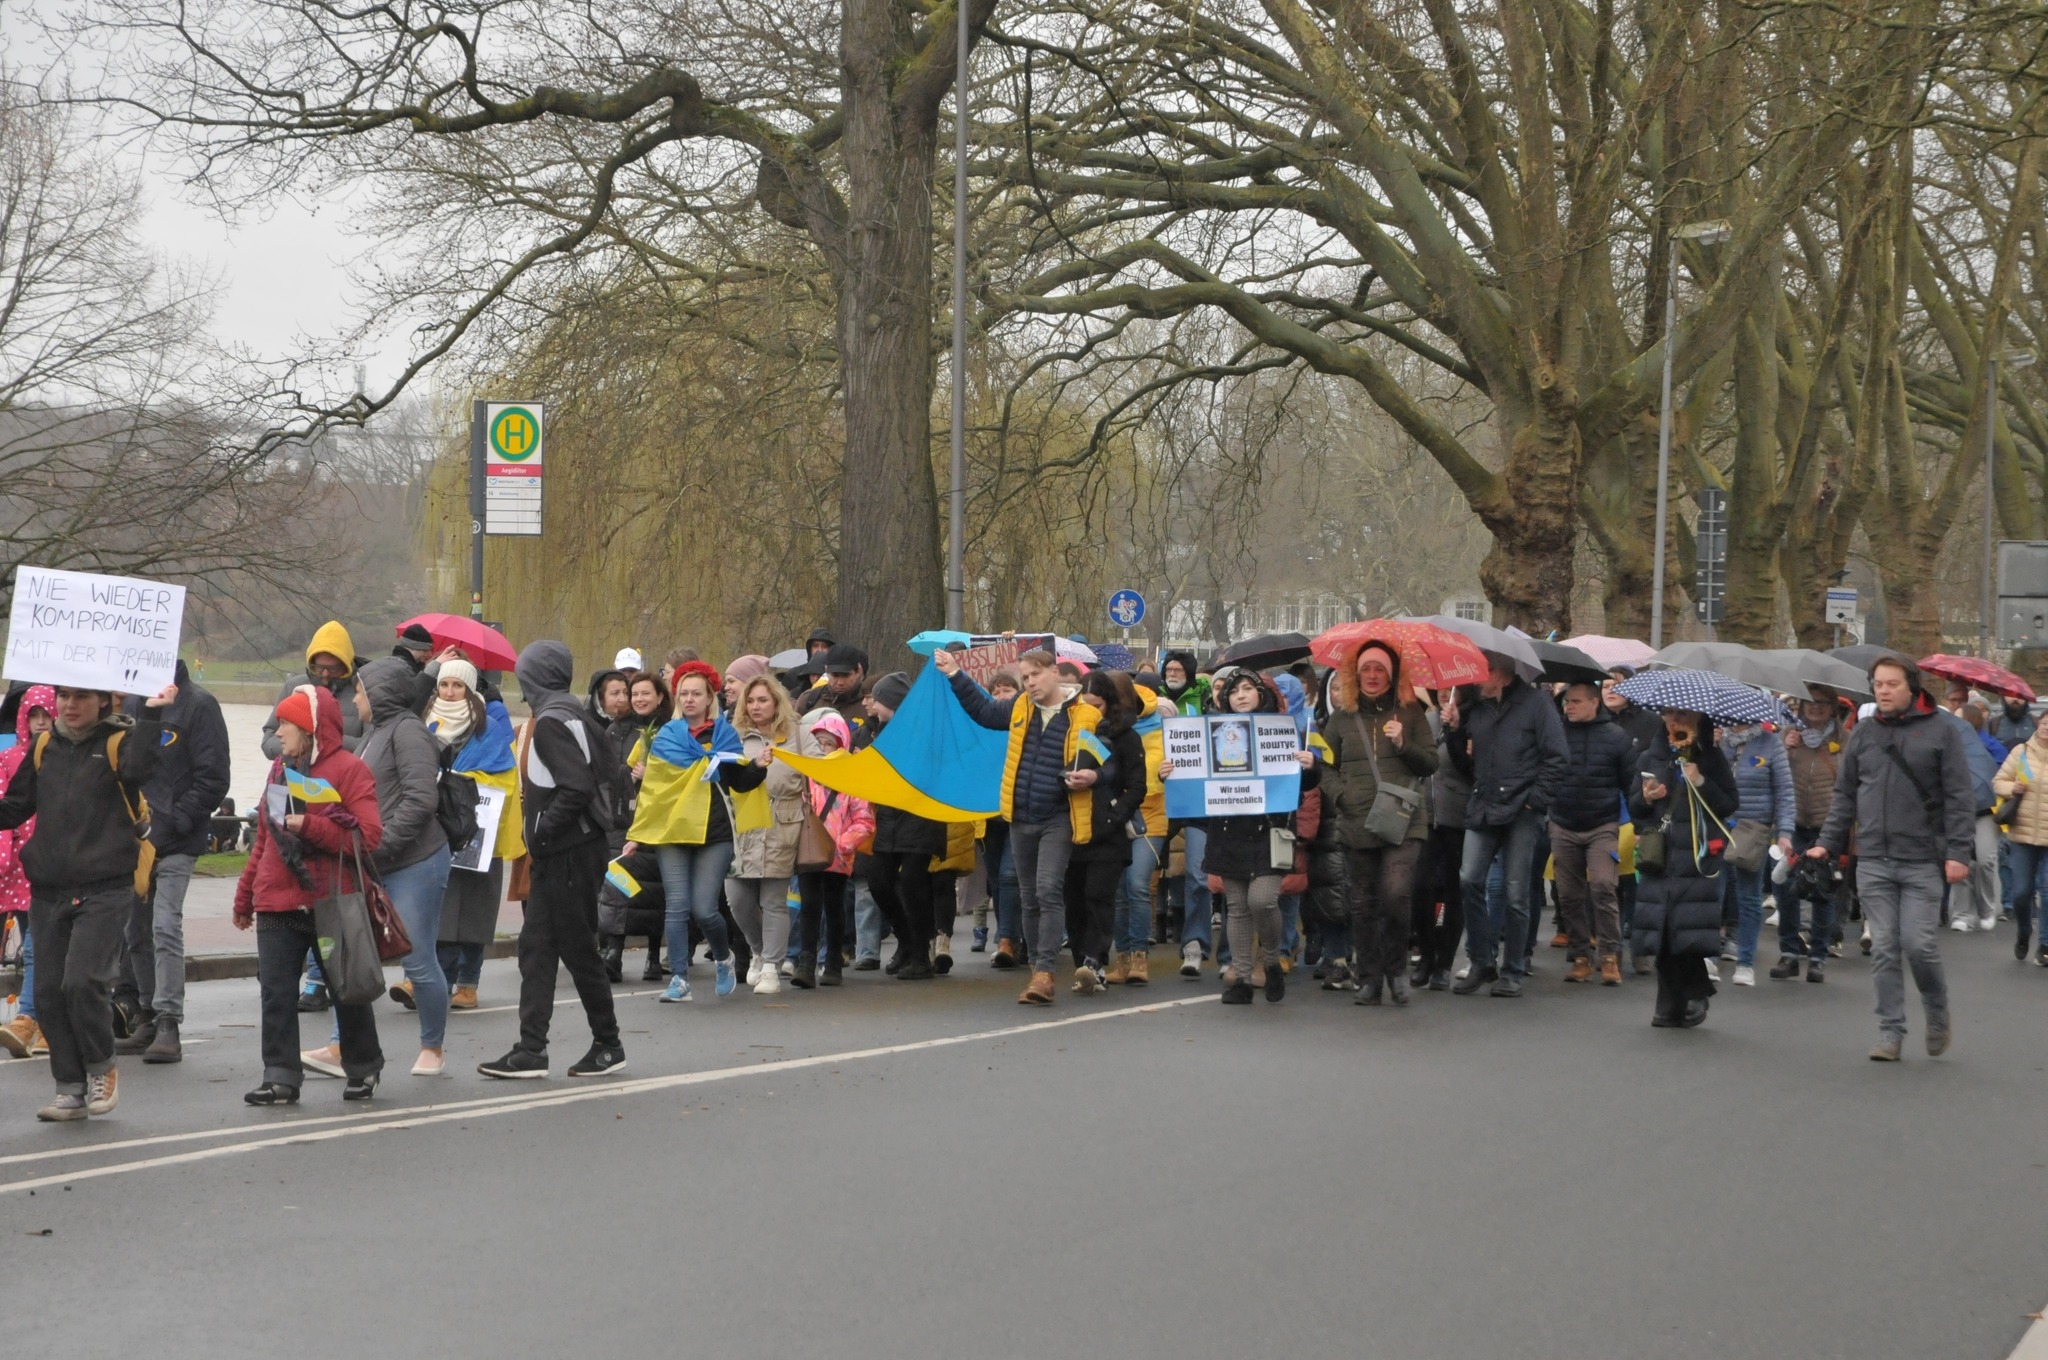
(1397, 988)
(653, 972)
(804, 973)
(141, 1034)
(1370, 990)
(614, 954)
(164, 1048)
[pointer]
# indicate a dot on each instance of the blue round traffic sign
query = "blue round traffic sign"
(1126, 609)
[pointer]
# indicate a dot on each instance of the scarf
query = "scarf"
(449, 719)
(1813, 738)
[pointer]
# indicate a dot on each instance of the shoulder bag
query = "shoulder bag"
(357, 933)
(1393, 807)
(2006, 810)
(815, 849)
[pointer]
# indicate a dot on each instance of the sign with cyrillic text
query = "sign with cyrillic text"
(1231, 765)
(84, 631)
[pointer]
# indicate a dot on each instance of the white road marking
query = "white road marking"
(2033, 1342)
(374, 1121)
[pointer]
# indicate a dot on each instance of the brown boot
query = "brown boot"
(1039, 992)
(1580, 971)
(1140, 972)
(1005, 955)
(1560, 940)
(463, 998)
(1610, 970)
(1119, 970)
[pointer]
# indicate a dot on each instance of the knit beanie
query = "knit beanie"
(296, 708)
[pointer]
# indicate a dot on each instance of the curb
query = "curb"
(215, 967)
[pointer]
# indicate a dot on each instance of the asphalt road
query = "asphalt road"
(929, 1169)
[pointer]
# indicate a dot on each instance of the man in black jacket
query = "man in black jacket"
(1517, 758)
(81, 876)
(564, 763)
(190, 780)
(1904, 784)
(1585, 820)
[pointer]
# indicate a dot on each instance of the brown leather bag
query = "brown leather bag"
(815, 849)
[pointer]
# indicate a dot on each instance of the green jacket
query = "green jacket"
(1351, 788)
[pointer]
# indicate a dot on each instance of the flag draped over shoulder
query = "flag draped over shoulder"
(487, 757)
(675, 796)
(932, 759)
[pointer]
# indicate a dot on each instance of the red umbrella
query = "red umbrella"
(485, 646)
(1431, 657)
(1974, 670)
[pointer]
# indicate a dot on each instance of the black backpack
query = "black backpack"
(457, 808)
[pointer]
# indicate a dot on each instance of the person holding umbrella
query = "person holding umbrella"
(1685, 790)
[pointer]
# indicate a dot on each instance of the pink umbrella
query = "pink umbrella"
(485, 646)
(1612, 651)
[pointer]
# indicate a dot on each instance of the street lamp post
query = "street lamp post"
(2011, 359)
(1710, 233)
(956, 569)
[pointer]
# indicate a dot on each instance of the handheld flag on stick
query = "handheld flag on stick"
(1092, 744)
(308, 789)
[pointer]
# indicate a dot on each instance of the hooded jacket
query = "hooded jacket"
(2025, 767)
(85, 838)
(1875, 789)
(1193, 697)
(405, 760)
(191, 770)
(770, 851)
(565, 757)
(14, 891)
(591, 698)
(1353, 786)
(332, 638)
(850, 820)
(267, 882)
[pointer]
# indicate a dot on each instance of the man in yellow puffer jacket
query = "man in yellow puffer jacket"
(1044, 796)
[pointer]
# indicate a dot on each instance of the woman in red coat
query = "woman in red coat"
(300, 848)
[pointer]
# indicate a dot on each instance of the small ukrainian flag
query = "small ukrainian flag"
(1092, 744)
(307, 789)
(616, 875)
(1321, 748)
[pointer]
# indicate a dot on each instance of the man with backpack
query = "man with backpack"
(1904, 784)
(190, 780)
(85, 778)
(567, 771)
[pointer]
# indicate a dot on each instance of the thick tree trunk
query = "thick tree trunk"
(1529, 573)
(891, 582)
(1912, 603)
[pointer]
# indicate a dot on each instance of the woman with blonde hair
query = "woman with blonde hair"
(764, 858)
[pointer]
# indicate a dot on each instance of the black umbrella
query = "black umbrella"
(1265, 652)
(1864, 655)
(1564, 665)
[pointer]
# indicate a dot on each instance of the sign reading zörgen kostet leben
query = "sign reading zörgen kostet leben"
(87, 631)
(514, 454)
(1232, 763)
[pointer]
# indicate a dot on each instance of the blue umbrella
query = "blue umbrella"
(931, 639)
(1722, 699)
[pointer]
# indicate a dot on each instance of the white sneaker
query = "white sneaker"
(754, 971)
(1745, 976)
(787, 970)
(1464, 971)
(1772, 919)
(1963, 925)
(1987, 924)
(769, 983)
(1191, 959)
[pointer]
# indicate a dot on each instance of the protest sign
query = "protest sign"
(987, 655)
(1230, 764)
(86, 631)
(490, 810)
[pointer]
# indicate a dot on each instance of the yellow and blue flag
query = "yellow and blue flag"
(616, 875)
(675, 795)
(932, 759)
(308, 789)
(1321, 748)
(1092, 744)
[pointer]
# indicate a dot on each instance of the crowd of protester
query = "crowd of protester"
(658, 803)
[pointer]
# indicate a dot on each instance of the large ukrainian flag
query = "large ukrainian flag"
(932, 759)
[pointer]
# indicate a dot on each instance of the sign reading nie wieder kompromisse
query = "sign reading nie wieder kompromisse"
(1232, 764)
(77, 629)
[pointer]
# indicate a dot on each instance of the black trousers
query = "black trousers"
(561, 930)
(824, 909)
(902, 885)
(1382, 907)
(1436, 881)
(1091, 906)
(945, 901)
(282, 941)
(1680, 981)
(78, 956)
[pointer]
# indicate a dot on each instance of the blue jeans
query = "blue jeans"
(1290, 924)
(1195, 923)
(1748, 887)
(867, 921)
(28, 970)
(1515, 846)
(2027, 882)
(1132, 923)
(417, 890)
(691, 878)
(461, 964)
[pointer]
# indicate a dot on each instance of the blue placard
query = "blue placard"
(1231, 764)
(1127, 609)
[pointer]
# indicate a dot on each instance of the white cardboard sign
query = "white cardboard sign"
(86, 631)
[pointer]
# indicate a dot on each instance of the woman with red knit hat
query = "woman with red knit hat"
(304, 853)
